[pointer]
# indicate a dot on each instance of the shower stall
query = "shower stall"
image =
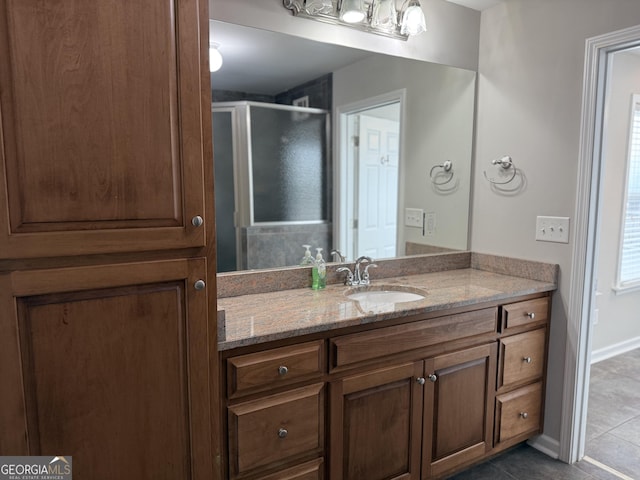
(272, 183)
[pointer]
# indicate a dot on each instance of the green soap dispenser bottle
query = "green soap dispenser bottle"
(319, 272)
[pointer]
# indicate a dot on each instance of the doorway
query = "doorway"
(582, 301)
(368, 169)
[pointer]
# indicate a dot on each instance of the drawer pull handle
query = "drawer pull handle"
(531, 315)
(421, 380)
(197, 221)
(283, 370)
(433, 378)
(526, 359)
(524, 415)
(199, 285)
(282, 433)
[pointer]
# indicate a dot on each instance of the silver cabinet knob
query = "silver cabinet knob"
(526, 359)
(531, 315)
(282, 433)
(199, 285)
(524, 415)
(282, 370)
(197, 221)
(433, 378)
(421, 380)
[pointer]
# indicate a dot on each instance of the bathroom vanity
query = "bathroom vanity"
(315, 386)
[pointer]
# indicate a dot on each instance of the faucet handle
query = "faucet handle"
(365, 275)
(349, 279)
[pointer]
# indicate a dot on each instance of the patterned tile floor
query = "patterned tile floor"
(613, 434)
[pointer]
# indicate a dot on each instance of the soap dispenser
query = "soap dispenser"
(319, 272)
(307, 259)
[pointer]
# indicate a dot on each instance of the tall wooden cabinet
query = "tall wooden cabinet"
(102, 126)
(107, 264)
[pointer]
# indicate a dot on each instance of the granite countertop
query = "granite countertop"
(262, 317)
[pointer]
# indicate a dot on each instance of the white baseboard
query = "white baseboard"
(613, 350)
(547, 445)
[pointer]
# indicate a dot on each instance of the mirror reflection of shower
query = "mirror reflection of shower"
(271, 183)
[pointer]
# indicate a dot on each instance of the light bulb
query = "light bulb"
(352, 11)
(215, 59)
(413, 21)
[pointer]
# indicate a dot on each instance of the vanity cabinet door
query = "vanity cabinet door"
(103, 126)
(376, 418)
(458, 408)
(110, 365)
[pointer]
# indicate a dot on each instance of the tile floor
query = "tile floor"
(613, 434)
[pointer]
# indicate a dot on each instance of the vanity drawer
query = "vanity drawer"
(313, 470)
(519, 412)
(275, 428)
(358, 347)
(524, 313)
(522, 358)
(261, 371)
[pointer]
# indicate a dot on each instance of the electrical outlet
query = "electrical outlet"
(413, 217)
(552, 229)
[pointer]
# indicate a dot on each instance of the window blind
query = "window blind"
(630, 254)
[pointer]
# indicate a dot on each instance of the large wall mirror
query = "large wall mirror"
(336, 148)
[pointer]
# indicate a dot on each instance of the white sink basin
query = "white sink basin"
(385, 294)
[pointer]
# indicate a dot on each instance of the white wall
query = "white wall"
(451, 37)
(618, 317)
(529, 99)
(438, 127)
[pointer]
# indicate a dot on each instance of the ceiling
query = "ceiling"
(263, 62)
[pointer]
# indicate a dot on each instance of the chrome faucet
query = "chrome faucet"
(337, 253)
(358, 277)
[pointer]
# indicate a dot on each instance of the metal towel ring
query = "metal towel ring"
(447, 167)
(505, 162)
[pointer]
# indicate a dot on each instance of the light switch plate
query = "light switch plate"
(552, 229)
(430, 224)
(413, 217)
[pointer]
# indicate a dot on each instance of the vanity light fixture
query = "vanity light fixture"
(215, 58)
(382, 17)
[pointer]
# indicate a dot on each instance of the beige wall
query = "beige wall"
(439, 126)
(618, 317)
(529, 105)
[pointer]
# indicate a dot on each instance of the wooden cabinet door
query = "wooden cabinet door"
(102, 126)
(375, 424)
(108, 364)
(458, 408)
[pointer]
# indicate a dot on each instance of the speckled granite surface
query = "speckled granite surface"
(262, 317)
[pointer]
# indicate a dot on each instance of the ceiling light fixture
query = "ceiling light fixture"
(215, 58)
(382, 17)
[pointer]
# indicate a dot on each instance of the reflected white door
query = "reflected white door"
(377, 187)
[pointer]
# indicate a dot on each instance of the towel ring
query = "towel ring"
(506, 162)
(447, 167)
